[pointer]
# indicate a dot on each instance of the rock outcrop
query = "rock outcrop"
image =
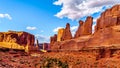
(105, 40)
(85, 28)
(53, 39)
(66, 33)
(110, 17)
(22, 38)
(107, 30)
(79, 30)
(60, 33)
(16, 40)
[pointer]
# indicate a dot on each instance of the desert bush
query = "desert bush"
(53, 63)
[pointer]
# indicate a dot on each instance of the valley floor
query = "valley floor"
(56, 60)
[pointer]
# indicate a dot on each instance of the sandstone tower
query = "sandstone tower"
(60, 33)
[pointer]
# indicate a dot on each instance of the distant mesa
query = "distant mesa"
(17, 40)
(20, 40)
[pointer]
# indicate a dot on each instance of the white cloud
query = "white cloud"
(75, 9)
(42, 38)
(6, 16)
(41, 31)
(31, 28)
(95, 20)
(73, 29)
(56, 29)
(93, 28)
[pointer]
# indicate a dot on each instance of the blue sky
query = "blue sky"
(43, 17)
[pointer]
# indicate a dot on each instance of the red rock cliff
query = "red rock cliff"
(110, 17)
(66, 33)
(16, 39)
(107, 33)
(22, 38)
(85, 28)
(107, 28)
(53, 39)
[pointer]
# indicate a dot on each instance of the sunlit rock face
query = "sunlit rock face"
(53, 39)
(107, 29)
(110, 17)
(60, 33)
(16, 40)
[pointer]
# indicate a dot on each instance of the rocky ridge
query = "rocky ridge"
(105, 39)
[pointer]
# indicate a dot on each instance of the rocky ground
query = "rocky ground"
(56, 60)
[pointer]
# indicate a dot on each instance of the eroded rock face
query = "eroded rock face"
(106, 35)
(17, 40)
(66, 33)
(60, 33)
(107, 28)
(53, 39)
(22, 38)
(79, 30)
(110, 17)
(88, 26)
(85, 28)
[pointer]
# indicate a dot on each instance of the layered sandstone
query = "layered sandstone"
(106, 35)
(53, 39)
(60, 33)
(110, 17)
(66, 33)
(107, 28)
(16, 40)
(79, 30)
(85, 28)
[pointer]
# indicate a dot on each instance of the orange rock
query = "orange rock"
(88, 26)
(110, 17)
(67, 33)
(16, 39)
(53, 39)
(60, 33)
(84, 28)
(106, 35)
(79, 30)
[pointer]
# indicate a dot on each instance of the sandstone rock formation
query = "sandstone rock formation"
(67, 33)
(106, 35)
(107, 28)
(84, 28)
(110, 17)
(79, 30)
(16, 40)
(53, 39)
(60, 33)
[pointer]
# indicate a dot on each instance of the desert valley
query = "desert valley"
(86, 49)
